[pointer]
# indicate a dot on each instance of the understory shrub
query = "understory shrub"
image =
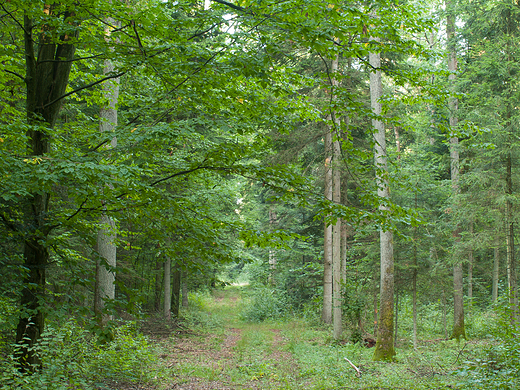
(265, 303)
(499, 366)
(72, 358)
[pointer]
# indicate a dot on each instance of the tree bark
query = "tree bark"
(470, 264)
(272, 252)
(327, 235)
(158, 285)
(496, 269)
(510, 242)
(185, 302)
(47, 77)
(167, 307)
(105, 277)
(336, 228)
(106, 247)
(385, 332)
(458, 302)
(176, 291)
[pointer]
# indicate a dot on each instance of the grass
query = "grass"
(292, 355)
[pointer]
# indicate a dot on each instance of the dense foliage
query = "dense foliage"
(216, 169)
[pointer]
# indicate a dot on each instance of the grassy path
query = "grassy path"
(235, 355)
(222, 352)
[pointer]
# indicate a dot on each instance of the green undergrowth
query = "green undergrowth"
(290, 353)
(72, 358)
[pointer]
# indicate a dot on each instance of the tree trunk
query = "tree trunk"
(458, 302)
(396, 326)
(470, 264)
(105, 288)
(326, 315)
(176, 292)
(510, 242)
(444, 314)
(336, 228)
(106, 262)
(496, 269)
(185, 302)
(167, 308)
(414, 284)
(385, 332)
(47, 77)
(158, 282)
(272, 252)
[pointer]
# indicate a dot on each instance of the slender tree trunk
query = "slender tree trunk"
(176, 292)
(470, 264)
(396, 316)
(185, 302)
(510, 242)
(105, 288)
(167, 308)
(385, 333)
(272, 252)
(496, 269)
(414, 302)
(328, 231)
(336, 229)
(327, 244)
(414, 283)
(444, 314)
(458, 302)
(47, 77)
(158, 285)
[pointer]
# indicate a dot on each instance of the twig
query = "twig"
(358, 373)
(458, 356)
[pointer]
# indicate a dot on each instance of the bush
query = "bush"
(499, 368)
(265, 303)
(73, 359)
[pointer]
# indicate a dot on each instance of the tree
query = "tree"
(47, 75)
(106, 248)
(385, 328)
(458, 298)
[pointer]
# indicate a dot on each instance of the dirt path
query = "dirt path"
(236, 356)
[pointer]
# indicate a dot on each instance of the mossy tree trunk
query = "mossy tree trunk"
(385, 328)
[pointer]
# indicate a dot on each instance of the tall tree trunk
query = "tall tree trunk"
(414, 283)
(107, 250)
(470, 264)
(496, 269)
(510, 242)
(47, 77)
(458, 298)
(326, 315)
(167, 308)
(336, 228)
(385, 332)
(444, 314)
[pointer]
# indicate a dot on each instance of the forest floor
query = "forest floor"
(219, 351)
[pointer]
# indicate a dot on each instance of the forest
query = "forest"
(259, 194)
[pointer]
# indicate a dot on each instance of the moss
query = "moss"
(385, 337)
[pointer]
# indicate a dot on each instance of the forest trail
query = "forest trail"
(234, 355)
